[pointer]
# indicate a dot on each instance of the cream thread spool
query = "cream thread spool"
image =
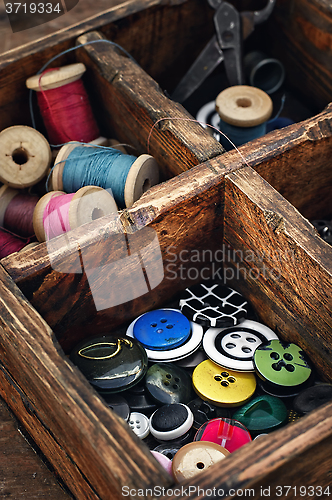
(88, 204)
(243, 112)
(56, 78)
(25, 156)
(143, 174)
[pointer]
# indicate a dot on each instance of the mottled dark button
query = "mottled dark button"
(169, 422)
(140, 400)
(168, 384)
(262, 414)
(111, 364)
(195, 458)
(204, 411)
(228, 433)
(118, 404)
(213, 305)
(312, 398)
(162, 329)
(283, 367)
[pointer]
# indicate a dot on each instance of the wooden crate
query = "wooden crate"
(256, 204)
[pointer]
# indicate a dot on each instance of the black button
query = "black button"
(204, 411)
(111, 364)
(312, 397)
(118, 404)
(170, 422)
(140, 400)
(169, 449)
(324, 228)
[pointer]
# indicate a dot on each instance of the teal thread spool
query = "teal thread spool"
(243, 112)
(128, 177)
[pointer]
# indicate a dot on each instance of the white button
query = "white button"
(139, 424)
(234, 347)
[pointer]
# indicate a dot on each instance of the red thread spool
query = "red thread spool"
(9, 244)
(16, 211)
(64, 104)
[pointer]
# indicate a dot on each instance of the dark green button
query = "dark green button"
(262, 414)
(168, 384)
(111, 364)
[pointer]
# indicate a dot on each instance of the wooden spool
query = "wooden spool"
(244, 106)
(143, 174)
(88, 204)
(25, 156)
(56, 78)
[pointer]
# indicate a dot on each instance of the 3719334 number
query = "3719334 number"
(33, 8)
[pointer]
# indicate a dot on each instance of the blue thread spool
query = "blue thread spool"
(243, 112)
(78, 165)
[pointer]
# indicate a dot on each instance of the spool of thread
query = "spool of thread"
(243, 112)
(25, 156)
(16, 211)
(127, 176)
(9, 244)
(263, 72)
(57, 212)
(64, 104)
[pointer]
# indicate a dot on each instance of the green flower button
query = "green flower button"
(262, 414)
(282, 366)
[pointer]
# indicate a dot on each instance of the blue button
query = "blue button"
(162, 329)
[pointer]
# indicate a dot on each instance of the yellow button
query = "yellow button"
(196, 457)
(221, 386)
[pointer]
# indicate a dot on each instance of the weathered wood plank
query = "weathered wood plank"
(281, 265)
(132, 103)
(100, 445)
(24, 476)
(284, 457)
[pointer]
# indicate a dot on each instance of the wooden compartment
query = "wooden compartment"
(256, 203)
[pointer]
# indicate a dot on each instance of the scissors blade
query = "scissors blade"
(210, 57)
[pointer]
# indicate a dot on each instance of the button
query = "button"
(324, 228)
(228, 433)
(163, 460)
(118, 404)
(262, 414)
(213, 305)
(170, 422)
(168, 384)
(195, 458)
(221, 386)
(140, 400)
(193, 360)
(139, 424)
(162, 329)
(184, 350)
(168, 449)
(204, 411)
(283, 367)
(234, 347)
(312, 398)
(111, 364)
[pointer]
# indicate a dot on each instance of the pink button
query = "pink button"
(164, 461)
(229, 434)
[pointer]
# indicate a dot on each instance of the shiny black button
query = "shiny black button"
(139, 400)
(168, 449)
(324, 228)
(312, 398)
(111, 364)
(204, 411)
(168, 384)
(118, 404)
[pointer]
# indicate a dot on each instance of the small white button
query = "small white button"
(139, 424)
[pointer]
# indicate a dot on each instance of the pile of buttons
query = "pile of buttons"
(198, 382)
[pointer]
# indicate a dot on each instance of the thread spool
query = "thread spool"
(64, 104)
(243, 112)
(86, 205)
(143, 172)
(9, 244)
(263, 72)
(16, 211)
(25, 156)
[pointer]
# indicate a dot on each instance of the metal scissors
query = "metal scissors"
(231, 28)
